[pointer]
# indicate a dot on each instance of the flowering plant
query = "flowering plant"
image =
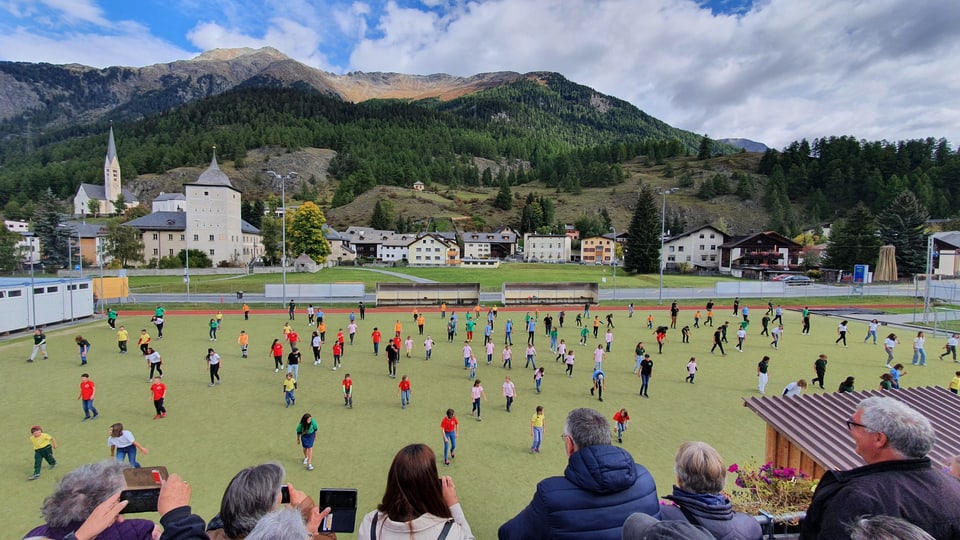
(777, 490)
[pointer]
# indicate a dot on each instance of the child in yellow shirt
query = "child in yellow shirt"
(43, 446)
(955, 383)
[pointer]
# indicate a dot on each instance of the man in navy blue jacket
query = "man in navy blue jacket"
(601, 487)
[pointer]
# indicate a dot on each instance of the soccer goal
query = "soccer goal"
(946, 320)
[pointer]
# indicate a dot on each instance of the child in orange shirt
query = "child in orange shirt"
(244, 341)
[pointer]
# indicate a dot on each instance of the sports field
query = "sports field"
(211, 433)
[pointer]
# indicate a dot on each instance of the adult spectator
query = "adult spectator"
(898, 479)
(886, 528)
(78, 495)
(643, 527)
(284, 524)
(697, 497)
(415, 505)
(600, 488)
(253, 493)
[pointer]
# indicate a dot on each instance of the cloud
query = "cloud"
(781, 71)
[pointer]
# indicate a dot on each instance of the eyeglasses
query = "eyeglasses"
(851, 424)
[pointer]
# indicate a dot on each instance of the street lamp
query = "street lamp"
(663, 231)
(614, 230)
(283, 225)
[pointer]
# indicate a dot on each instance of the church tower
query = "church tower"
(111, 177)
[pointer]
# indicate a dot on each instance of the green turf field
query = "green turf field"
(211, 433)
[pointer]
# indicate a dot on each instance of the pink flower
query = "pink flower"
(733, 468)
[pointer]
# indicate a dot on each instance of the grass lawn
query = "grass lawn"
(490, 279)
(213, 432)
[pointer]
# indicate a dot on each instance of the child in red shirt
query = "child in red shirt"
(347, 391)
(621, 417)
(159, 391)
(337, 352)
(376, 341)
(404, 391)
(277, 350)
(450, 428)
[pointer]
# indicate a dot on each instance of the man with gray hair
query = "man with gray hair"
(600, 488)
(898, 479)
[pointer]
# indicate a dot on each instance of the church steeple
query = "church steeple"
(111, 175)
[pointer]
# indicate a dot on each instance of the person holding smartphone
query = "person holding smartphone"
(417, 503)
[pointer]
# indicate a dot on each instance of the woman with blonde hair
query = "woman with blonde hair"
(697, 497)
(417, 504)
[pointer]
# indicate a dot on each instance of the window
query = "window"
(713, 247)
(170, 252)
(38, 290)
(688, 258)
(156, 236)
(196, 238)
(182, 237)
(703, 258)
(713, 258)
(156, 251)
(712, 236)
(14, 294)
(701, 247)
(701, 235)
(53, 289)
(211, 252)
(169, 237)
(211, 238)
(671, 249)
(671, 258)
(680, 249)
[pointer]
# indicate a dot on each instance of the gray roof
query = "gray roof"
(111, 148)
(948, 237)
(100, 193)
(170, 197)
(160, 221)
(175, 221)
(213, 176)
(489, 237)
(84, 230)
(248, 228)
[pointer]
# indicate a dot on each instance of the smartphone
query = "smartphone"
(142, 490)
(343, 510)
(284, 494)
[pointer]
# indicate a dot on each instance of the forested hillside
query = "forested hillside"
(564, 134)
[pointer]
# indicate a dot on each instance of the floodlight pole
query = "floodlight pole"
(663, 229)
(614, 230)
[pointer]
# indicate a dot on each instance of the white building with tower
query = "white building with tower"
(210, 222)
(107, 194)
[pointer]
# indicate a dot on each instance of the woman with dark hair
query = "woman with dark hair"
(306, 433)
(78, 494)
(697, 497)
(416, 504)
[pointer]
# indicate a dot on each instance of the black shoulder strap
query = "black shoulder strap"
(445, 531)
(373, 526)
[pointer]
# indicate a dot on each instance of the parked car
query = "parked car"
(793, 279)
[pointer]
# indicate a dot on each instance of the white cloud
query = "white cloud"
(785, 70)
(88, 49)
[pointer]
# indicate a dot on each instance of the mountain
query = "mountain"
(44, 96)
(746, 144)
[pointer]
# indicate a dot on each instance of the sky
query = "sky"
(774, 71)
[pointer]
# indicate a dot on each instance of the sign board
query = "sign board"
(860, 272)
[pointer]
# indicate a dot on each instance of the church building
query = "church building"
(106, 195)
(210, 223)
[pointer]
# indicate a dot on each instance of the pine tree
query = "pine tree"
(706, 148)
(504, 200)
(901, 225)
(853, 240)
(382, 218)
(46, 225)
(643, 237)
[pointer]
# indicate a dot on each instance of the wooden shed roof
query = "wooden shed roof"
(816, 422)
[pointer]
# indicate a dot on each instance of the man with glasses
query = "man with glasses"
(898, 479)
(600, 488)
